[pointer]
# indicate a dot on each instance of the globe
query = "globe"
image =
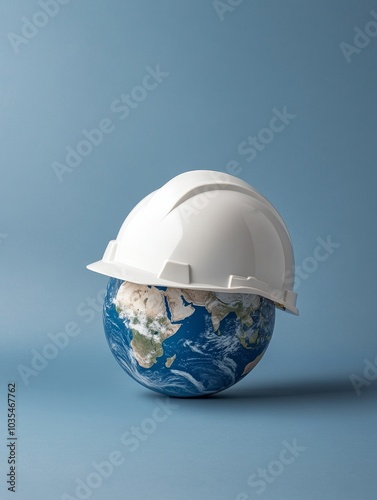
(182, 342)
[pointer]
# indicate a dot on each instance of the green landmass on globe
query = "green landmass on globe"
(185, 342)
(145, 309)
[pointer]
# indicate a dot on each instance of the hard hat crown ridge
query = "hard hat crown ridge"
(205, 230)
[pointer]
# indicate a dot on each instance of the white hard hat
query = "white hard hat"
(205, 230)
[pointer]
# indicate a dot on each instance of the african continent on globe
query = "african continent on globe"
(184, 342)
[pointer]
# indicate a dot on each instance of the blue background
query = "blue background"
(225, 78)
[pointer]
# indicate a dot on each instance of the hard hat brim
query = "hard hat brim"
(142, 277)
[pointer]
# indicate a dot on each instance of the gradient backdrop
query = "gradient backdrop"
(222, 69)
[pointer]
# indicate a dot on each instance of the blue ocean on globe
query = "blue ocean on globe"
(185, 343)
